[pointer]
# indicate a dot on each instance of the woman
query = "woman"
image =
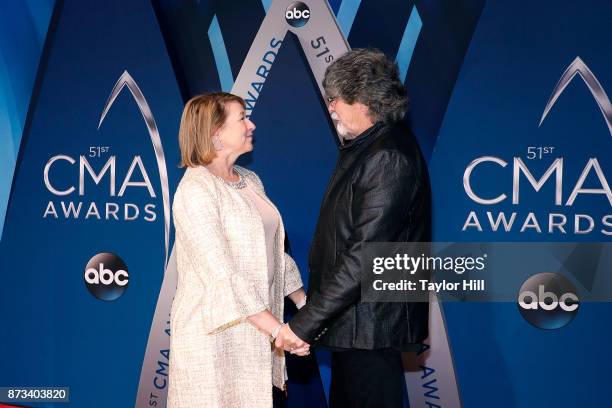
(233, 272)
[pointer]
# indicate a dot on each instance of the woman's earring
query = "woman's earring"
(217, 143)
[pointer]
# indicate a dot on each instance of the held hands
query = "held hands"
(281, 334)
(289, 341)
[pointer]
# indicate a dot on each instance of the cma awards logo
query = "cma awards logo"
(524, 176)
(548, 301)
(106, 276)
(97, 169)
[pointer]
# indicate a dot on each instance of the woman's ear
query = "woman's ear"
(216, 140)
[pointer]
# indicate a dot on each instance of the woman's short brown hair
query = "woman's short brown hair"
(203, 116)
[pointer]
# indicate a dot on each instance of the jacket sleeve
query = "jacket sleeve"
(383, 189)
(293, 280)
(228, 298)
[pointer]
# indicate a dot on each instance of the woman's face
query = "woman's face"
(236, 134)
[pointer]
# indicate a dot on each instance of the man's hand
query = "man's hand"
(288, 341)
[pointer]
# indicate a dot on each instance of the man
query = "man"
(379, 192)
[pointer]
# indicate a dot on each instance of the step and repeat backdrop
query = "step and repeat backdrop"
(509, 103)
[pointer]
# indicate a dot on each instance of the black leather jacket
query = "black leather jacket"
(379, 192)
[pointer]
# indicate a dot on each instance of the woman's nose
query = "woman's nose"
(251, 125)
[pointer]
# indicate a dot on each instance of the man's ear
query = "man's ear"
(365, 111)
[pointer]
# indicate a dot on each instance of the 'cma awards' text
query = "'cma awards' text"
(69, 209)
(554, 222)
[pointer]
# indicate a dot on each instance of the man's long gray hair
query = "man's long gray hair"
(367, 76)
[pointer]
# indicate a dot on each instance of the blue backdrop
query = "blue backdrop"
(479, 76)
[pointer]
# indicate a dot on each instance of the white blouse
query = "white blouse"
(270, 223)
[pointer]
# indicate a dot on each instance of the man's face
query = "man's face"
(351, 119)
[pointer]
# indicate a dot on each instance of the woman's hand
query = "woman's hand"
(264, 321)
(289, 341)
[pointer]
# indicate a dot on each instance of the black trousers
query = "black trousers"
(366, 379)
(279, 398)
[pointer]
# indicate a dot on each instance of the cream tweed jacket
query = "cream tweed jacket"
(217, 358)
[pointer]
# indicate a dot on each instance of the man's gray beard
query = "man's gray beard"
(342, 131)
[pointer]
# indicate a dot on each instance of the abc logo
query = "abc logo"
(548, 300)
(106, 276)
(297, 14)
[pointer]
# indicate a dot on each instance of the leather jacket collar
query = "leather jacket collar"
(348, 144)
